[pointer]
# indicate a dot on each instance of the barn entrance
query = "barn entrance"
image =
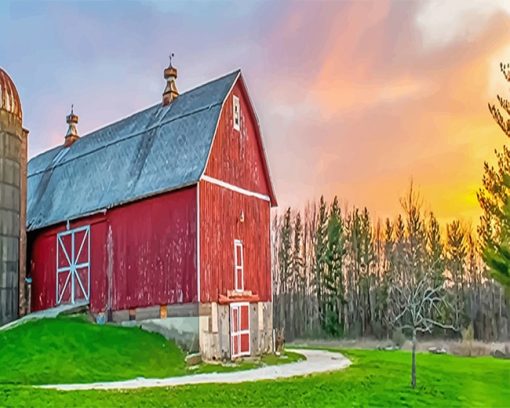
(73, 265)
(240, 329)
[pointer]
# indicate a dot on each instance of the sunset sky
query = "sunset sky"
(354, 98)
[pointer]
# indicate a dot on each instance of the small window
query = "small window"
(238, 266)
(237, 113)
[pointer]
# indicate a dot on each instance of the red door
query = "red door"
(73, 265)
(240, 329)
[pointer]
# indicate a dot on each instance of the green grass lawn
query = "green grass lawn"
(376, 378)
(72, 350)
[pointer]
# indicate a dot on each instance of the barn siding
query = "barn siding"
(220, 209)
(237, 156)
(147, 250)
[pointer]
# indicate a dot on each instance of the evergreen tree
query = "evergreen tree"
(320, 245)
(298, 280)
(435, 262)
(494, 228)
(297, 257)
(497, 256)
(366, 278)
(399, 252)
(333, 279)
(415, 247)
(285, 263)
(456, 253)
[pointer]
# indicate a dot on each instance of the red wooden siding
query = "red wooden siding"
(237, 159)
(141, 254)
(220, 210)
(236, 156)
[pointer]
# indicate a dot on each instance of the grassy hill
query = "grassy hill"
(70, 349)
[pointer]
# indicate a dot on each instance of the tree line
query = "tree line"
(335, 271)
(341, 273)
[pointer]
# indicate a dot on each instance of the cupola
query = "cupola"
(170, 92)
(72, 131)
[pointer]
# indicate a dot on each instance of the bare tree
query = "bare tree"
(421, 307)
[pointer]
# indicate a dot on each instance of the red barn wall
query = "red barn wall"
(219, 227)
(237, 159)
(152, 255)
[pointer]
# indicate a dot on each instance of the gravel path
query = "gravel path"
(317, 361)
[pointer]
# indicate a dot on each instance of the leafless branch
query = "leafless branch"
(419, 306)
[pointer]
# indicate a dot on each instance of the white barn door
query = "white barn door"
(73, 265)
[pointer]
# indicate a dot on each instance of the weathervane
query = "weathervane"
(171, 56)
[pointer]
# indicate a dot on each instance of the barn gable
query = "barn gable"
(153, 151)
(237, 156)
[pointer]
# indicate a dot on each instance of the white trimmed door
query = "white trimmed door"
(73, 265)
(239, 329)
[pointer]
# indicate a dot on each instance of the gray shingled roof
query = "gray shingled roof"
(156, 150)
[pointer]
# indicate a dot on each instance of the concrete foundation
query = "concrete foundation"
(182, 330)
(174, 322)
(203, 328)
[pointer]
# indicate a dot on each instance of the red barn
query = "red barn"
(163, 215)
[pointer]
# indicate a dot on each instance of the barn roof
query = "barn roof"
(159, 149)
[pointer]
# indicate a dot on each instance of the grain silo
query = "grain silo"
(13, 147)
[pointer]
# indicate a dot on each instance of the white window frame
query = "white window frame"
(72, 268)
(238, 266)
(236, 113)
(238, 305)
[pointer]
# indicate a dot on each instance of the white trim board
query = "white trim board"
(237, 189)
(199, 261)
(238, 266)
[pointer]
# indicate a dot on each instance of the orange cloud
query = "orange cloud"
(381, 107)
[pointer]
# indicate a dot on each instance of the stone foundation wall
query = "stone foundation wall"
(214, 328)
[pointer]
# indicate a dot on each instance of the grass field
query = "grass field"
(72, 350)
(376, 378)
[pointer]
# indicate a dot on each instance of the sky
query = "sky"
(354, 98)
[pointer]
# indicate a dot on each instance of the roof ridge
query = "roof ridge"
(236, 71)
(130, 136)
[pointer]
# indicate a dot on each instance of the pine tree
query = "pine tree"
(285, 264)
(435, 262)
(415, 247)
(320, 245)
(456, 253)
(494, 199)
(297, 257)
(297, 296)
(333, 279)
(399, 265)
(366, 278)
